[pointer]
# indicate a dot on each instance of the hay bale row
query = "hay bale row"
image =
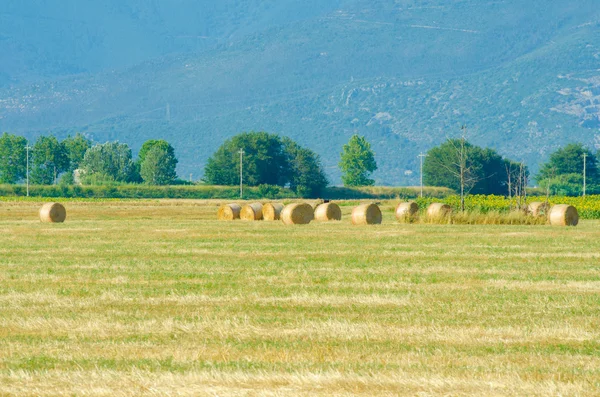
(366, 214)
(53, 213)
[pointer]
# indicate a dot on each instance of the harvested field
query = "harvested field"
(160, 298)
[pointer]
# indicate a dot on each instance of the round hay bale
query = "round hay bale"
(229, 212)
(328, 212)
(272, 211)
(366, 214)
(564, 215)
(438, 210)
(538, 208)
(297, 214)
(53, 213)
(407, 211)
(252, 212)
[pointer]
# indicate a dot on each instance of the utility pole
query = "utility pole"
(422, 156)
(463, 167)
(27, 149)
(241, 152)
(584, 172)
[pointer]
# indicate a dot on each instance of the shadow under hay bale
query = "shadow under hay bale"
(564, 215)
(272, 211)
(407, 212)
(297, 214)
(538, 208)
(438, 211)
(328, 212)
(53, 213)
(229, 212)
(367, 214)
(252, 212)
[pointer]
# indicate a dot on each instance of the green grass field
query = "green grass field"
(158, 298)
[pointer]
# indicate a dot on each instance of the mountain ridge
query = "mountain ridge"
(523, 90)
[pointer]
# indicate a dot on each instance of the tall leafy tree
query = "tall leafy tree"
(307, 177)
(569, 161)
(483, 170)
(76, 147)
(357, 162)
(109, 162)
(163, 157)
(49, 160)
(13, 160)
(265, 161)
(152, 143)
(158, 166)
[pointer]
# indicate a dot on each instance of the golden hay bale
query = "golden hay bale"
(297, 214)
(53, 213)
(229, 212)
(564, 215)
(438, 210)
(407, 211)
(252, 212)
(366, 214)
(538, 208)
(272, 211)
(328, 212)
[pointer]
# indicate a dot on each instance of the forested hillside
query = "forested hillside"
(523, 76)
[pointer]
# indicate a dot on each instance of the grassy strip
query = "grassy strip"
(203, 192)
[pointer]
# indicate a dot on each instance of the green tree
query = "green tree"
(13, 158)
(76, 147)
(158, 166)
(563, 185)
(357, 162)
(483, 170)
(152, 143)
(307, 177)
(265, 161)
(569, 161)
(108, 162)
(49, 159)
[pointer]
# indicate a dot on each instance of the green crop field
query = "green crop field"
(158, 298)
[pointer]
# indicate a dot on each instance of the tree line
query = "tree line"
(51, 161)
(484, 171)
(271, 160)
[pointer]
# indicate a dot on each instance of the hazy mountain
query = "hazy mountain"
(523, 76)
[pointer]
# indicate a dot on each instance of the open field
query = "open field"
(158, 298)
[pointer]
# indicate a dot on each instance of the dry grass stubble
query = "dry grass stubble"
(157, 297)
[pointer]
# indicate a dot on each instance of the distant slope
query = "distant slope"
(524, 79)
(57, 38)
